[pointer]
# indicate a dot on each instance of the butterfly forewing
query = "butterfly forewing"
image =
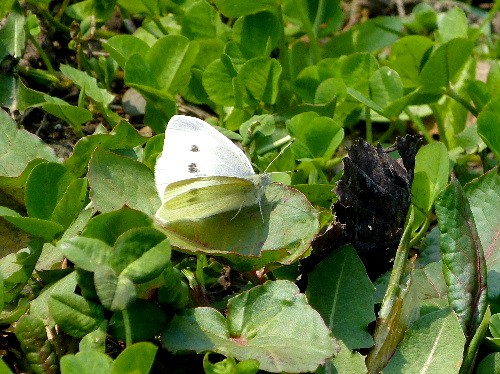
(192, 149)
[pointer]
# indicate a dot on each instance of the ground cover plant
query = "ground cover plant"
(374, 249)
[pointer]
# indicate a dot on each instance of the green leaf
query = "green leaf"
(376, 33)
(406, 57)
(432, 168)
(87, 362)
(74, 314)
(357, 70)
(483, 194)
(115, 292)
(315, 136)
(166, 72)
(385, 87)
(70, 203)
(123, 136)
(88, 84)
(229, 366)
(40, 228)
(13, 36)
(260, 76)
(340, 290)
(346, 362)
(444, 64)
(38, 350)
(44, 188)
(434, 344)
(452, 24)
(4, 369)
(146, 319)
(280, 230)
(488, 124)
(217, 80)
(116, 181)
(258, 41)
(254, 329)
(464, 265)
(107, 227)
(121, 47)
(236, 8)
(19, 148)
(137, 358)
(201, 21)
(490, 364)
(86, 253)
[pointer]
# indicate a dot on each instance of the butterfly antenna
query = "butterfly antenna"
(290, 142)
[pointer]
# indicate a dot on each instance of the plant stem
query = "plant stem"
(42, 53)
(54, 22)
(420, 125)
(423, 230)
(158, 23)
(369, 129)
(455, 95)
(62, 9)
(128, 328)
(398, 271)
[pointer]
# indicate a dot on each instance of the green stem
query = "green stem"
(369, 129)
(42, 53)
(54, 22)
(128, 328)
(274, 145)
(387, 134)
(420, 234)
(420, 126)
(200, 264)
(158, 23)
(398, 271)
(440, 124)
(467, 105)
(319, 16)
(61, 10)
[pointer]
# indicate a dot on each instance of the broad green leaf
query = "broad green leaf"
(6, 7)
(315, 136)
(488, 124)
(357, 70)
(218, 81)
(4, 369)
(431, 175)
(141, 254)
(45, 186)
(201, 21)
(87, 362)
(70, 203)
(376, 33)
(260, 76)
(13, 36)
(107, 227)
(385, 87)
(95, 340)
(236, 8)
(99, 10)
(123, 136)
(340, 290)
(74, 314)
(444, 64)
(464, 265)
(423, 19)
(229, 366)
(434, 344)
(146, 319)
(406, 57)
(146, 7)
(121, 47)
(115, 292)
(279, 230)
(87, 253)
(88, 84)
(37, 348)
(452, 24)
(254, 329)
(256, 40)
(116, 181)
(19, 148)
(490, 364)
(346, 362)
(168, 73)
(137, 358)
(483, 194)
(40, 228)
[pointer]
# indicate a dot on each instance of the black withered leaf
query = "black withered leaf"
(374, 197)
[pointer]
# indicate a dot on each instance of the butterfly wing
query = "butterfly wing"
(198, 198)
(194, 148)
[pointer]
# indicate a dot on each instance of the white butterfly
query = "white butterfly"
(201, 173)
